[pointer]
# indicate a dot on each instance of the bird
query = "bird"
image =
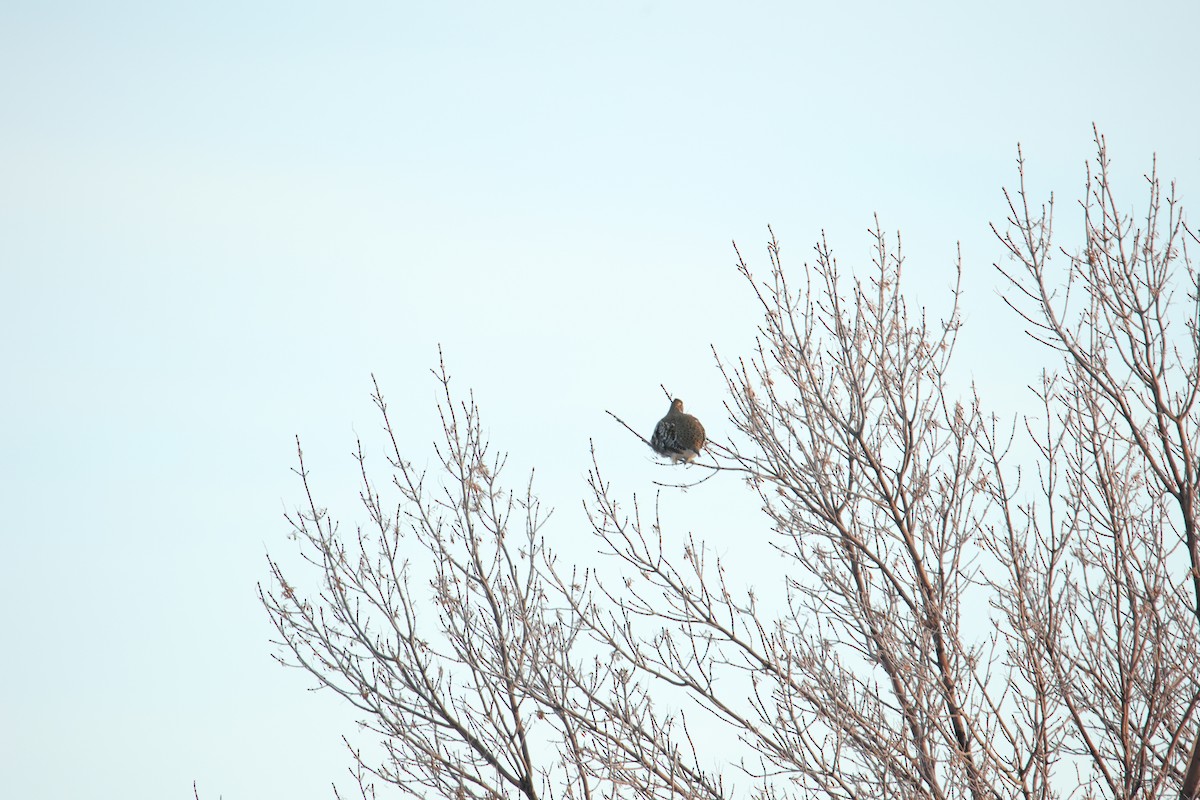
(678, 436)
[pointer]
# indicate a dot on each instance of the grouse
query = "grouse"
(678, 436)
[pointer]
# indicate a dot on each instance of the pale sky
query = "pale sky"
(218, 219)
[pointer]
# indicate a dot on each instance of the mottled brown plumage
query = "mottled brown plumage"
(678, 436)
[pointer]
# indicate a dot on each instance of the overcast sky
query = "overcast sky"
(218, 219)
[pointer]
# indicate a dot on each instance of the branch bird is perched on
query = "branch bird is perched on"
(678, 436)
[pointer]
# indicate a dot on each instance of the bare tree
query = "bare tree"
(474, 683)
(1105, 590)
(942, 628)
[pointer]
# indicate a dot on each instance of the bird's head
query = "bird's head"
(677, 405)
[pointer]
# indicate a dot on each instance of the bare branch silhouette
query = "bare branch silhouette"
(942, 604)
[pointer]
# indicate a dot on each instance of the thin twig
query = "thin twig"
(631, 430)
